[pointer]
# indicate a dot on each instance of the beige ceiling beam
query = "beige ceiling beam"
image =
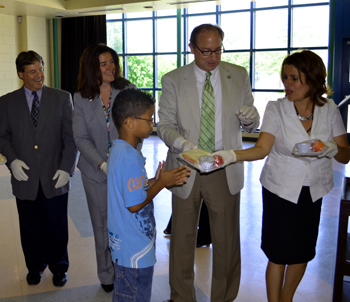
(57, 4)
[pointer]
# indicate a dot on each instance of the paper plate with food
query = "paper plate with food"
(202, 160)
(312, 147)
(2, 159)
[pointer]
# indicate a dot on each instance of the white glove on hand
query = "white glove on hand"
(63, 178)
(103, 168)
(331, 151)
(17, 170)
(187, 145)
(229, 156)
(247, 114)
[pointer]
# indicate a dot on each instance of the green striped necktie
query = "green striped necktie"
(207, 133)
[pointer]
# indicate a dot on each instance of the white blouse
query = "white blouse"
(283, 173)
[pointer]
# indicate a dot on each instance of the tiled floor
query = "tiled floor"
(83, 284)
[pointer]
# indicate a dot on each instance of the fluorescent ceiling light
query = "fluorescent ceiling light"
(190, 1)
(102, 10)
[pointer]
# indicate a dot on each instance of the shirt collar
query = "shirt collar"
(29, 95)
(201, 74)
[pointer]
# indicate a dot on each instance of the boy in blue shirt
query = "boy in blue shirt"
(131, 223)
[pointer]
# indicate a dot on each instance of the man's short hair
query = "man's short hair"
(130, 103)
(202, 28)
(27, 58)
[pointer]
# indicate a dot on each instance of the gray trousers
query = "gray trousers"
(96, 196)
(223, 209)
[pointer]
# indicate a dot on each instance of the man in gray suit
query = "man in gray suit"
(37, 139)
(181, 128)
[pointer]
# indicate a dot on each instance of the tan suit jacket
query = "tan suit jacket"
(179, 116)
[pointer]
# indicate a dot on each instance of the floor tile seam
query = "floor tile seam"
(203, 288)
(314, 294)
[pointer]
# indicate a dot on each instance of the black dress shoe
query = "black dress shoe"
(167, 231)
(59, 279)
(34, 278)
(107, 287)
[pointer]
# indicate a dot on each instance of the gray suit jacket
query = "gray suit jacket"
(49, 148)
(90, 134)
(179, 116)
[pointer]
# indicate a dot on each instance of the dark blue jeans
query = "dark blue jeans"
(132, 284)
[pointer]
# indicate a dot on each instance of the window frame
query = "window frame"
(185, 52)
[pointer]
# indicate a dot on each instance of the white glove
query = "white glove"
(103, 168)
(17, 170)
(331, 151)
(229, 156)
(247, 114)
(63, 178)
(187, 145)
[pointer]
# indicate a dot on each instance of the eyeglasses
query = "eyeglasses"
(151, 120)
(34, 72)
(208, 53)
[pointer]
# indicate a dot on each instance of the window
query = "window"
(258, 36)
(310, 32)
(238, 37)
(271, 30)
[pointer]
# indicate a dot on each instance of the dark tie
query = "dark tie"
(35, 109)
(207, 131)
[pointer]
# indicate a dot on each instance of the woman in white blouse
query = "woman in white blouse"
(293, 186)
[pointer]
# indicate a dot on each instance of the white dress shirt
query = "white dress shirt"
(216, 83)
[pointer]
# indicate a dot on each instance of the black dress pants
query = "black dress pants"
(44, 232)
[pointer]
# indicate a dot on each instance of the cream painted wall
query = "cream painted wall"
(32, 33)
(9, 48)
(38, 39)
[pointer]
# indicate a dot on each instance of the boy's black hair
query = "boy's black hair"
(130, 103)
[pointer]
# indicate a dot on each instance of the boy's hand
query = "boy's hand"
(177, 176)
(158, 170)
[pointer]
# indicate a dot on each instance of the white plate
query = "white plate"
(198, 167)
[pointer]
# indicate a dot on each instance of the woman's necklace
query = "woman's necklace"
(304, 118)
(108, 91)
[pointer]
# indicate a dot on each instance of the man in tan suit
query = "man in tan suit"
(180, 127)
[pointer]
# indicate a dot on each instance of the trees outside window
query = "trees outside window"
(258, 36)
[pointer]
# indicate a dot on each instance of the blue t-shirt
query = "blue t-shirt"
(131, 235)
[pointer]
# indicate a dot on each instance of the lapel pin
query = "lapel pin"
(229, 77)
